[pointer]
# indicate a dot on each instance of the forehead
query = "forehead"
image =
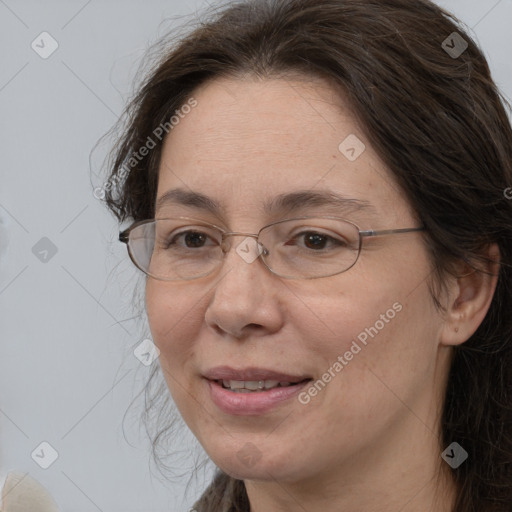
(250, 142)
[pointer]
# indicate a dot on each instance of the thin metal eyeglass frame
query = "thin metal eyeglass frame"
(124, 237)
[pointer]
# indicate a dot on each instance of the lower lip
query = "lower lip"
(253, 403)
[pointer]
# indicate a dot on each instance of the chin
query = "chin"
(250, 463)
(258, 473)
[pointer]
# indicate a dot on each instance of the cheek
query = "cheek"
(384, 357)
(355, 333)
(376, 334)
(172, 321)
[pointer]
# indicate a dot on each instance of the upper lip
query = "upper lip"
(251, 374)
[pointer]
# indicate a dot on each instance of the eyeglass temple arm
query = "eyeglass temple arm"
(371, 232)
(124, 236)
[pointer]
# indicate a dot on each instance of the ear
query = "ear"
(470, 298)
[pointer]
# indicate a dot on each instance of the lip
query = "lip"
(256, 402)
(251, 373)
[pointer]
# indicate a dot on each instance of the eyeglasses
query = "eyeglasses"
(184, 248)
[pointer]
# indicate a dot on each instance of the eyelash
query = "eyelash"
(172, 241)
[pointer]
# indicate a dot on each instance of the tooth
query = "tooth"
(252, 385)
(271, 384)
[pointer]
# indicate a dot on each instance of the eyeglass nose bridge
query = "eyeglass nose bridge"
(225, 246)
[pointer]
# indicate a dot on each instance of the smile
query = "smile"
(251, 386)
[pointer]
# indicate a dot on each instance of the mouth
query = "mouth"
(252, 378)
(252, 391)
(255, 386)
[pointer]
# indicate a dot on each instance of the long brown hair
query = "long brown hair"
(437, 121)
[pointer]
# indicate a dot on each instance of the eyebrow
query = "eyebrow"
(283, 204)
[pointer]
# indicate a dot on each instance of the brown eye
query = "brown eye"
(194, 239)
(315, 241)
(188, 239)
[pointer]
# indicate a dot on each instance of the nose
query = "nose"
(246, 300)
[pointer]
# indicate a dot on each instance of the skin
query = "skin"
(369, 440)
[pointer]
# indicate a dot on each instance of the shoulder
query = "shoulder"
(21, 492)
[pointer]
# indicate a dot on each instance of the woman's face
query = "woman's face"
(368, 337)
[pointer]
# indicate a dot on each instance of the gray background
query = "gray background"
(67, 368)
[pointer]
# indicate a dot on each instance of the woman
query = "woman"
(366, 144)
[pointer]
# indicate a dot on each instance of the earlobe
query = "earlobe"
(470, 300)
